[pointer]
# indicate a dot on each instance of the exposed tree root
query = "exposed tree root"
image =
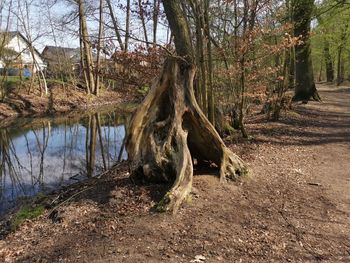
(169, 130)
(305, 95)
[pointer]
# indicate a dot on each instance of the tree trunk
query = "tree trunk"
(169, 129)
(329, 63)
(82, 63)
(305, 87)
(211, 98)
(115, 25)
(127, 26)
(99, 47)
(200, 59)
(156, 8)
(143, 22)
(340, 62)
(86, 50)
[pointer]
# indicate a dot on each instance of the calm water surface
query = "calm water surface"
(42, 155)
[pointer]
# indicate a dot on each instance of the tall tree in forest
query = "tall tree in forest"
(143, 21)
(85, 49)
(115, 25)
(99, 49)
(211, 99)
(328, 62)
(340, 60)
(169, 130)
(331, 39)
(156, 10)
(127, 25)
(305, 87)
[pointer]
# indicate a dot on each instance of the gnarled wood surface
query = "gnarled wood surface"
(169, 130)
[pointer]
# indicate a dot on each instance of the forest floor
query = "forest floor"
(60, 99)
(295, 206)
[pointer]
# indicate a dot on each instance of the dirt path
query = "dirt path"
(294, 208)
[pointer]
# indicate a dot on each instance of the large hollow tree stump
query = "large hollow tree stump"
(169, 130)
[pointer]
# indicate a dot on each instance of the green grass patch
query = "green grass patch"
(11, 79)
(24, 213)
(10, 82)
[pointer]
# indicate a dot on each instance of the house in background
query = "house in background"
(15, 54)
(64, 62)
(61, 61)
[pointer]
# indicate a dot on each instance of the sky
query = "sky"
(46, 27)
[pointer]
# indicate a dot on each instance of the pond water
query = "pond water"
(44, 154)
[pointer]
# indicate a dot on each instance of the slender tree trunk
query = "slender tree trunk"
(340, 62)
(115, 25)
(127, 25)
(242, 69)
(319, 79)
(143, 22)
(82, 63)
(87, 53)
(99, 46)
(211, 94)
(291, 65)
(156, 8)
(328, 61)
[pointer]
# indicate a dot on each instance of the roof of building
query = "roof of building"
(5, 38)
(54, 52)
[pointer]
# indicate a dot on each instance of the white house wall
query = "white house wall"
(20, 46)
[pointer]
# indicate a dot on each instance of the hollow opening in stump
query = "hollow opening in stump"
(201, 163)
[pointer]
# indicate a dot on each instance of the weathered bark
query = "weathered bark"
(305, 87)
(169, 130)
(180, 30)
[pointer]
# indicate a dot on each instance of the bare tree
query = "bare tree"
(86, 51)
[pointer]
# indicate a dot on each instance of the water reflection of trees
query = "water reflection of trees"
(48, 155)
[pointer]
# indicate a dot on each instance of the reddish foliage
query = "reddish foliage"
(138, 67)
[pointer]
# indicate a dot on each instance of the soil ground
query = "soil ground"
(295, 206)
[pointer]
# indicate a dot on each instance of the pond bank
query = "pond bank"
(42, 154)
(59, 100)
